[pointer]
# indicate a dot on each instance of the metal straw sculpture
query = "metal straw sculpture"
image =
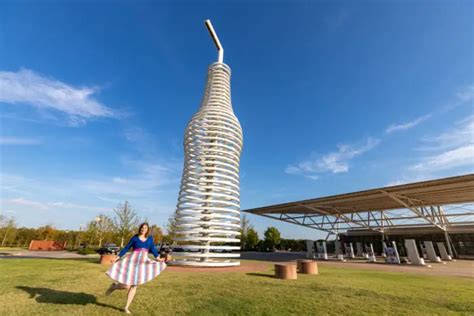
(208, 211)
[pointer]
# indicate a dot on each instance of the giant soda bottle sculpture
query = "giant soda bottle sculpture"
(208, 211)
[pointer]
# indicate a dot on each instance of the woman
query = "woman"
(135, 268)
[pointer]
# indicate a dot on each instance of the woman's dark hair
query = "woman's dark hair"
(140, 229)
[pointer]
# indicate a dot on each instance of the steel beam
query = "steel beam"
(398, 198)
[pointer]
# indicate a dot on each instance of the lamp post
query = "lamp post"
(99, 228)
(79, 236)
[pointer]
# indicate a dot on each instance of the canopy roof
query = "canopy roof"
(452, 190)
(419, 230)
(371, 209)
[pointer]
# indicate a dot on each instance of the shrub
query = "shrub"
(86, 251)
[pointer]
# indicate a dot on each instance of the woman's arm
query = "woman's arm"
(153, 248)
(127, 247)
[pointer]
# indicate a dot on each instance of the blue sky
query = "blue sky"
(333, 97)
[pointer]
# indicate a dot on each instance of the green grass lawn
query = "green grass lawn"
(76, 287)
(13, 248)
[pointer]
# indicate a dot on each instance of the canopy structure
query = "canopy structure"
(442, 204)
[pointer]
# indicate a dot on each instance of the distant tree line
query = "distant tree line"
(250, 241)
(123, 225)
(99, 230)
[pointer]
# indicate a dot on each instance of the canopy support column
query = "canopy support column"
(448, 242)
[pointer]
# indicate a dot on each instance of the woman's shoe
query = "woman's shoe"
(110, 289)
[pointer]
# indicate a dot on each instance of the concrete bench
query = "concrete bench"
(308, 267)
(285, 271)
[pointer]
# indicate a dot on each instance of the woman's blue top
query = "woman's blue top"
(136, 243)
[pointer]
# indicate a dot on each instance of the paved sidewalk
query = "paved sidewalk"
(459, 268)
(6, 254)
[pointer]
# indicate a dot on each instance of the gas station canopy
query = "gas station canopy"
(441, 204)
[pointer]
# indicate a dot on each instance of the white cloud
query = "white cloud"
(135, 134)
(146, 182)
(143, 182)
(67, 205)
(18, 141)
(396, 182)
(449, 152)
(29, 203)
(50, 205)
(28, 87)
(412, 177)
(70, 201)
(407, 125)
(466, 94)
(461, 134)
(144, 143)
(458, 157)
(335, 162)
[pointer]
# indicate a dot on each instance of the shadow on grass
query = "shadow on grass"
(50, 296)
(261, 275)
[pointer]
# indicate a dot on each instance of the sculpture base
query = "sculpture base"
(204, 264)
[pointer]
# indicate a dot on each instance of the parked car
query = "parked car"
(164, 248)
(177, 249)
(109, 248)
(223, 251)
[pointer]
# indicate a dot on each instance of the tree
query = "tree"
(292, 244)
(251, 239)
(171, 230)
(157, 233)
(80, 236)
(68, 236)
(46, 232)
(244, 227)
(3, 220)
(272, 238)
(3, 224)
(126, 221)
(91, 232)
(9, 225)
(24, 236)
(105, 226)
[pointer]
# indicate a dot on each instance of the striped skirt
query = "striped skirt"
(135, 268)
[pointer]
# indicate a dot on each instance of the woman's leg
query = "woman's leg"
(131, 295)
(116, 286)
(111, 288)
